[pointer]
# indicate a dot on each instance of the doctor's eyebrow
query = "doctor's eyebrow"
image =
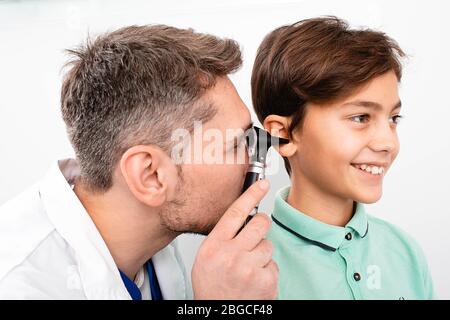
(371, 104)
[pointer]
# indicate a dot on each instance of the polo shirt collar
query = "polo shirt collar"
(314, 231)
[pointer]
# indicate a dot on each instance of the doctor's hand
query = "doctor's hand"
(237, 266)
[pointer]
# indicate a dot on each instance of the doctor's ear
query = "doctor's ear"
(150, 174)
(278, 126)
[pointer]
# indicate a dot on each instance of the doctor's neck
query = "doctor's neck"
(318, 204)
(131, 233)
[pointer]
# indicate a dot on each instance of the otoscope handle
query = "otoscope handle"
(254, 173)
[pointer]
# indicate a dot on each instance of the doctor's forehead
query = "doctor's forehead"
(231, 111)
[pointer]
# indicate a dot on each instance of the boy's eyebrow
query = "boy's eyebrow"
(371, 104)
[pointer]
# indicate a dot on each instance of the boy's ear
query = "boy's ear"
(150, 174)
(278, 126)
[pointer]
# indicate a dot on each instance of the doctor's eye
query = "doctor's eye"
(241, 142)
(361, 118)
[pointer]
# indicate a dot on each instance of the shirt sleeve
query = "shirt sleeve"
(430, 294)
(428, 287)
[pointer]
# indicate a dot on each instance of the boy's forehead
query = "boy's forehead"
(377, 94)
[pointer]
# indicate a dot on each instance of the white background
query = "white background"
(33, 35)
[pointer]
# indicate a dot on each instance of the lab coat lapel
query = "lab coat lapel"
(170, 273)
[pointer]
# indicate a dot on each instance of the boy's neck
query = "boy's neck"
(319, 205)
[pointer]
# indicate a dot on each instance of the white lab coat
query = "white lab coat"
(51, 249)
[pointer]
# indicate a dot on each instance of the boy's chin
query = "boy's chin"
(367, 197)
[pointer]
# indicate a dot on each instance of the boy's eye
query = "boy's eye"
(396, 119)
(362, 118)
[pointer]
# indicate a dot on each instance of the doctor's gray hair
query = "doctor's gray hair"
(135, 86)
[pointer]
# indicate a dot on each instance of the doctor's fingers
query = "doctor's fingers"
(255, 231)
(268, 280)
(262, 254)
(233, 219)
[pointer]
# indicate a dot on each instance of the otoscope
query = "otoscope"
(258, 142)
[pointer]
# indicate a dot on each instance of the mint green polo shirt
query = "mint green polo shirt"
(367, 259)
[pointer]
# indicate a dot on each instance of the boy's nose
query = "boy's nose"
(384, 138)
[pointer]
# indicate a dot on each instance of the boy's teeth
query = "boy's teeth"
(370, 169)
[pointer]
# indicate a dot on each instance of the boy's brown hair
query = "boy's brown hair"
(317, 61)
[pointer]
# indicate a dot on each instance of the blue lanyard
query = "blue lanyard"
(154, 284)
(133, 289)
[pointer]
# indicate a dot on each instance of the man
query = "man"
(103, 226)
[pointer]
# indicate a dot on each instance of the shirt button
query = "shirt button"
(356, 276)
(348, 236)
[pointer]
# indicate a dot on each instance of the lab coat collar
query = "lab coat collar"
(99, 275)
(171, 274)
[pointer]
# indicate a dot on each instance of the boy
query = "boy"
(333, 91)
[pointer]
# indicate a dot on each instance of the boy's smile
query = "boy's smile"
(373, 173)
(372, 169)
